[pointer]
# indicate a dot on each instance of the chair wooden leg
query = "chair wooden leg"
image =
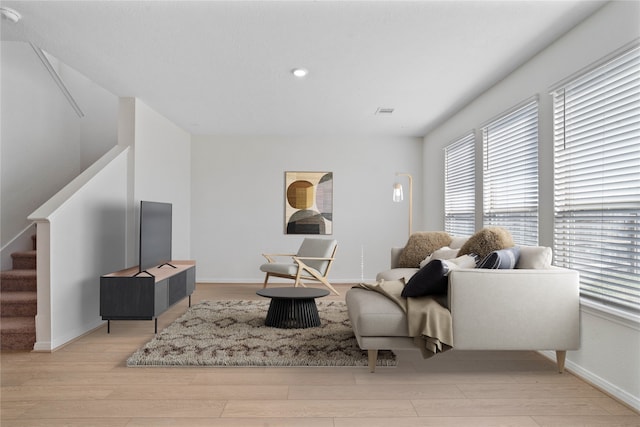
(326, 283)
(266, 279)
(298, 274)
(323, 281)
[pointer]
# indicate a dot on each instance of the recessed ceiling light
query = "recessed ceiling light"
(384, 110)
(300, 72)
(10, 14)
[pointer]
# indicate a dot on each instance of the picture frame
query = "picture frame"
(308, 203)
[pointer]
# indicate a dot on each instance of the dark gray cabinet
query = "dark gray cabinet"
(125, 296)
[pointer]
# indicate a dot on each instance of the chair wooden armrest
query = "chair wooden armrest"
(270, 257)
(312, 258)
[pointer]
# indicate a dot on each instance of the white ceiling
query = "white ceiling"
(223, 67)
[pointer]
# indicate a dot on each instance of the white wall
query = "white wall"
(81, 235)
(238, 201)
(610, 345)
(162, 153)
(84, 230)
(44, 144)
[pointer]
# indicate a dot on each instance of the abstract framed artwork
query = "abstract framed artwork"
(308, 203)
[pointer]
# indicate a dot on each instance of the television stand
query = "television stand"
(167, 263)
(124, 295)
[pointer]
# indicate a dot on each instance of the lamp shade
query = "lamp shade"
(397, 192)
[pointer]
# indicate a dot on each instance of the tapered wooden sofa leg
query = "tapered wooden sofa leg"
(561, 356)
(373, 360)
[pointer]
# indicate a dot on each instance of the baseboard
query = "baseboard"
(600, 383)
(42, 346)
(50, 347)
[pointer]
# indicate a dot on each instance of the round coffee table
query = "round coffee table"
(292, 307)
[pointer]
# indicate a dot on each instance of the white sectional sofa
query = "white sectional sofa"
(534, 306)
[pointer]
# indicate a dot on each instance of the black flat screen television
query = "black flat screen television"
(155, 235)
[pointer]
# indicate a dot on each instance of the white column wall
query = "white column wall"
(81, 234)
(610, 344)
(162, 156)
(238, 201)
(44, 143)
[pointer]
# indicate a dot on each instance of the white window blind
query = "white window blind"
(459, 186)
(597, 179)
(510, 173)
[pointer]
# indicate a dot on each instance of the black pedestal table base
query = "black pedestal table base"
(293, 307)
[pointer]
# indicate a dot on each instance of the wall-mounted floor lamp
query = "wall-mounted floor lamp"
(398, 196)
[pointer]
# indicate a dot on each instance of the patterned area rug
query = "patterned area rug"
(232, 333)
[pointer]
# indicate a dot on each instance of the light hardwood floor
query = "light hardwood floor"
(86, 383)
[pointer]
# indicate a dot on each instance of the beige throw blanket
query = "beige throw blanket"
(429, 323)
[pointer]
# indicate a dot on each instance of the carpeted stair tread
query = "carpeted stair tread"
(17, 333)
(24, 254)
(18, 280)
(19, 301)
(18, 325)
(15, 304)
(19, 274)
(24, 260)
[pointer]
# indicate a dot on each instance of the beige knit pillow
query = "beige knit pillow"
(421, 245)
(487, 240)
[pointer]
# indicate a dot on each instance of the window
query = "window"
(510, 173)
(459, 186)
(597, 179)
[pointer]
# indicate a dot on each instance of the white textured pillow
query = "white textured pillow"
(458, 241)
(535, 257)
(443, 253)
(464, 261)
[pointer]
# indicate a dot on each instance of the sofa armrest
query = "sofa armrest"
(519, 309)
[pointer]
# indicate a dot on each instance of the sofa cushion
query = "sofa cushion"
(421, 245)
(487, 240)
(535, 257)
(502, 259)
(374, 314)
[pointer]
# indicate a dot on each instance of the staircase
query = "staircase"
(18, 302)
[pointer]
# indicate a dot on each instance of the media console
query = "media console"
(127, 296)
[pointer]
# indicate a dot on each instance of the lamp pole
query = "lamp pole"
(410, 199)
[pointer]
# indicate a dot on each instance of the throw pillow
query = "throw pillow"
(464, 261)
(487, 240)
(535, 257)
(502, 259)
(421, 245)
(442, 253)
(458, 241)
(432, 279)
(429, 280)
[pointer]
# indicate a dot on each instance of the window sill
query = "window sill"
(626, 318)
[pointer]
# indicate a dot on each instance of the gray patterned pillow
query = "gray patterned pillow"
(502, 259)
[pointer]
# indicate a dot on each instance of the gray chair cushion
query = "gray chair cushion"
(279, 268)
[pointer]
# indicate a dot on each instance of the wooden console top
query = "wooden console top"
(161, 273)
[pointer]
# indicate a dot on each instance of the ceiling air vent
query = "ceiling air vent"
(384, 111)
